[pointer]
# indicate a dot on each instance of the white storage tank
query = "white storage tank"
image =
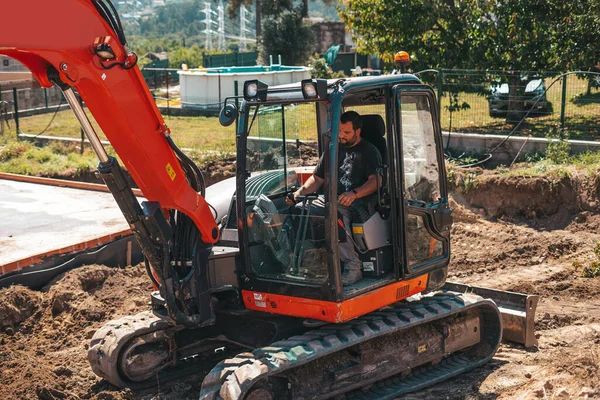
(207, 88)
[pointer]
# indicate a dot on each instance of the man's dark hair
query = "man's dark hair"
(352, 116)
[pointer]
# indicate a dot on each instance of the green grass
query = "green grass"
(536, 165)
(53, 160)
(65, 160)
(300, 122)
(198, 133)
(587, 163)
(541, 168)
(202, 138)
(582, 120)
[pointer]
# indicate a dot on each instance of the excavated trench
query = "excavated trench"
(543, 196)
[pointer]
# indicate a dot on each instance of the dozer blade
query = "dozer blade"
(517, 309)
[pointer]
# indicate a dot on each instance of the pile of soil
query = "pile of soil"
(525, 235)
(45, 334)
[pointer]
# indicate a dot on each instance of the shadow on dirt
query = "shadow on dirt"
(464, 386)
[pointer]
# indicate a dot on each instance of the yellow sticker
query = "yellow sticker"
(171, 172)
(357, 229)
(422, 348)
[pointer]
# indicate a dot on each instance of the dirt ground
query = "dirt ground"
(519, 234)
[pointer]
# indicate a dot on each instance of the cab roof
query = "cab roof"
(363, 90)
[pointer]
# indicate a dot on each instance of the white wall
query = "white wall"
(201, 89)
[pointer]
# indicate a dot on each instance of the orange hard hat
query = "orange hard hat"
(401, 57)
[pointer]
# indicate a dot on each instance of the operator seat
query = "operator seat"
(374, 241)
(373, 130)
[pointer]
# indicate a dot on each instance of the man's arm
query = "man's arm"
(370, 186)
(312, 184)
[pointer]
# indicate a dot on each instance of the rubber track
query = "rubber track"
(108, 341)
(233, 378)
(420, 378)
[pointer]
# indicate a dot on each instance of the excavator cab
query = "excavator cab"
(290, 261)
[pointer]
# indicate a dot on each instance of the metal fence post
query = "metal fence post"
(219, 72)
(16, 108)
(82, 132)
(168, 105)
(563, 102)
(235, 93)
(439, 95)
(46, 97)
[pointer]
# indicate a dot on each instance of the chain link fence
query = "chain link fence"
(18, 104)
(28, 100)
(491, 102)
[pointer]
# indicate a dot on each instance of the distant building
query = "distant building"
(13, 73)
(328, 33)
(8, 64)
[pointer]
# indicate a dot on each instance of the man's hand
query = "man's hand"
(347, 198)
(312, 184)
(294, 198)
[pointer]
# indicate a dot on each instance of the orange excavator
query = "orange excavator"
(229, 281)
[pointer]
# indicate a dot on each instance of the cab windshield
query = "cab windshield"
(284, 241)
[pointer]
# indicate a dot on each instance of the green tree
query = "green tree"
(508, 35)
(233, 8)
(282, 32)
(431, 31)
(269, 9)
(288, 36)
(577, 36)
(515, 36)
(192, 56)
(319, 68)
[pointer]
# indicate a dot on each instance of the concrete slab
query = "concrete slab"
(37, 219)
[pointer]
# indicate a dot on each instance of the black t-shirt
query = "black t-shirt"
(355, 165)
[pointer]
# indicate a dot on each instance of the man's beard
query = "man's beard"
(350, 142)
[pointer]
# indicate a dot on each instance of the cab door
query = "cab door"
(421, 187)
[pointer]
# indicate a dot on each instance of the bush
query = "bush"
(462, 180)
(319, 68)
(592, 270)
(559, 149)
(13, 150)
